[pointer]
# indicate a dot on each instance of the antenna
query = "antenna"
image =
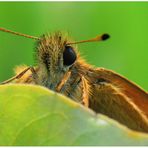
(102, 37)
(19, 34)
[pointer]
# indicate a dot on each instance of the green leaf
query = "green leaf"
(35, 116)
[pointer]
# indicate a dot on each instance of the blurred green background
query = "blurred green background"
(127, 22)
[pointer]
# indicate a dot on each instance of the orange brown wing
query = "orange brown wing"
(119, 98)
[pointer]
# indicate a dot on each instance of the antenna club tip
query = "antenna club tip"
(105, 36)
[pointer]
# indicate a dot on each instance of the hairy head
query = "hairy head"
(54, 55)
(53, 52)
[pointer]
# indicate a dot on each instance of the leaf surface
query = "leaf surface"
(35, 116)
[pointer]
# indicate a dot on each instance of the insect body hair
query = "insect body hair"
(49, 55)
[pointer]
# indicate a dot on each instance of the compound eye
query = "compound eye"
(69, 56)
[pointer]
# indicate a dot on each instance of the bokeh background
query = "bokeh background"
(127, 22)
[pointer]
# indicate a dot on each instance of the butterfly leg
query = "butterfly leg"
(63, 81)
(85, 92)
(21, 74)
(74, 83)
